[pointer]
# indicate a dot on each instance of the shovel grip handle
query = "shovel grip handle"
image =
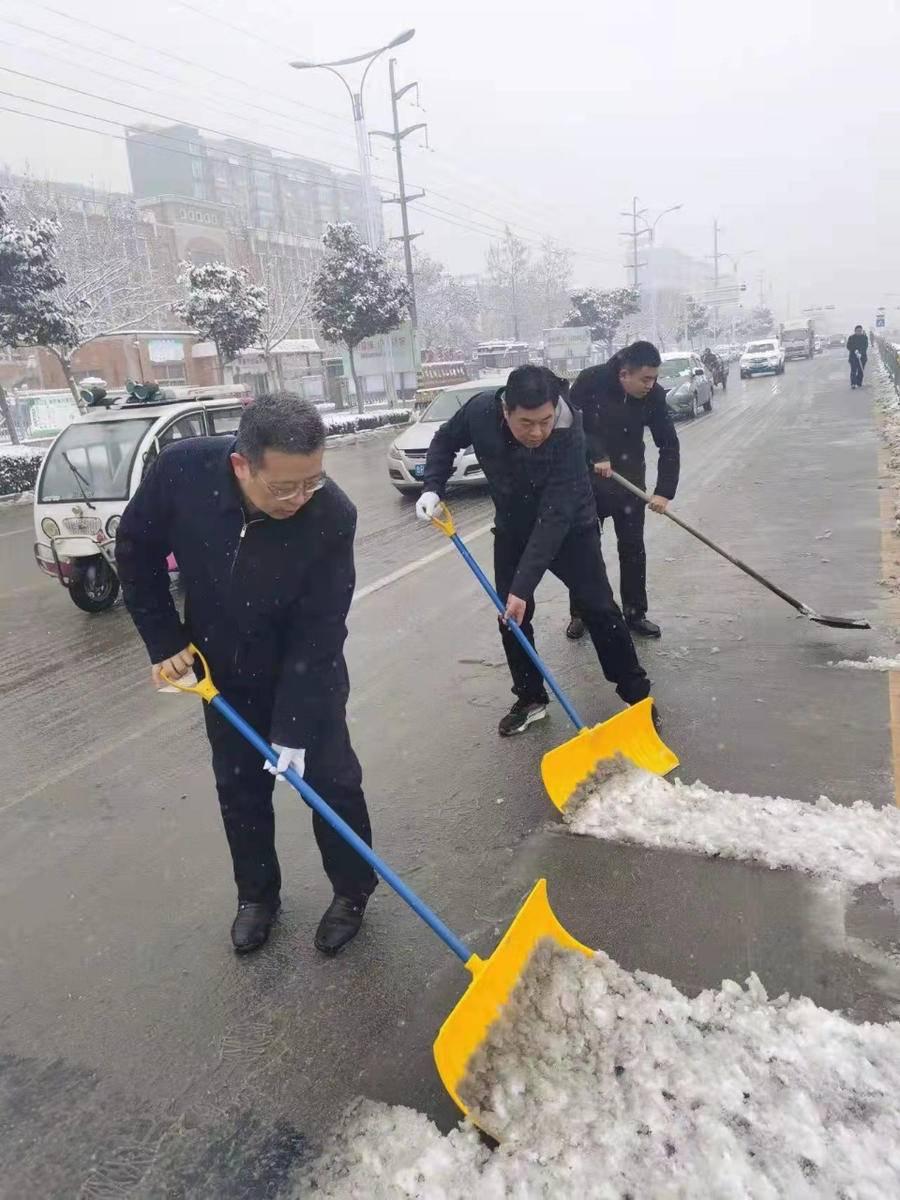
(350, 836)
(517, 632)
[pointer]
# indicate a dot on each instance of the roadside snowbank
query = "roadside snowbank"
(339, 423)
(610, 1084)
(855, 844)
(873, 663)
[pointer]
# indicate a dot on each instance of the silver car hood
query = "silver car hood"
(418, 436)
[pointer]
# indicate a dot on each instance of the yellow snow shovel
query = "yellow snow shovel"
(630, 733)
(493, 978)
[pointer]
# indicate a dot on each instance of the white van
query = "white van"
(93, 469)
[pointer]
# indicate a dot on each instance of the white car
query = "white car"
(406, 457)
(762, 357)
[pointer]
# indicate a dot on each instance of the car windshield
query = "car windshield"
(760, 348)
(445, 405)
(674, 368)
(92, 460)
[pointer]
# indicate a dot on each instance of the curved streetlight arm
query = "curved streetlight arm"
(399, 40)
(331, 71)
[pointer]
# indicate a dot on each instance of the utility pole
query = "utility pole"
(636, 214)
(404, 198)
(716, 255)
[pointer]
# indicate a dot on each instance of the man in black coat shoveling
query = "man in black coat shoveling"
(858, 350)
(264, 544)
(530, 445)
(618, 401)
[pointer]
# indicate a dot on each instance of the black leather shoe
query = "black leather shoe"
(252, 925)
(341, 923)
(641, 627)
(575, 629)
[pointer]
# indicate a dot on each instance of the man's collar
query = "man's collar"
(229, 491)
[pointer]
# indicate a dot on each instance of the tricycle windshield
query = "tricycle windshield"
(92, 460)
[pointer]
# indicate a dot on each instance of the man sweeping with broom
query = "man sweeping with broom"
(530, 445)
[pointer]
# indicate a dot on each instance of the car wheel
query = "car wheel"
(744, 375)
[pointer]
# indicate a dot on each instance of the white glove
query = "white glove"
(427, 505)
(287, 757)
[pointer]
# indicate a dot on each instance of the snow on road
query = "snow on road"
(855, 844)
(604, 1083)
(874, 662)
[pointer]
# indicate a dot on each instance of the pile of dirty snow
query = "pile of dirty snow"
(604, 1083)
(854, 844)
(873, 663)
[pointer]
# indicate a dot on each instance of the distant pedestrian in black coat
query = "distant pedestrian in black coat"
(264, 545)
(619, 400)
(858, 349)
(530, 445)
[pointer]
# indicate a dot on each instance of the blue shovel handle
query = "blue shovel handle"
(340, 826)
(523, 640)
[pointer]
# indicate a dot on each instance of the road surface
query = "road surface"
(140, 1057)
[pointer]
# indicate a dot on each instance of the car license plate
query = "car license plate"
(88, 525)
(418, 472)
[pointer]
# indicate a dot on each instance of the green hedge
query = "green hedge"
(19, 467)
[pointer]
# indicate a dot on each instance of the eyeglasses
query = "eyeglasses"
(287, 491)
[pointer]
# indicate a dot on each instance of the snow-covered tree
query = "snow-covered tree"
(356, 293)
(508, 270)
(603, 310)
(761, 322)
(550, 279)
(32, 312)
(447, 308)
(286, 280)
(111, 276)
(694, 319)
(223, 306)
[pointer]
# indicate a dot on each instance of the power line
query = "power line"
(440, 214)
(187, 62)
(284, 99)
(177, 58)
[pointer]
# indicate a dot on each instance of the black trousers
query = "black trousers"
(628, 522)
(245, 798)
(857, 366)
(579, 565)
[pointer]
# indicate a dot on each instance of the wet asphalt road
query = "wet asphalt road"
(139, 1057)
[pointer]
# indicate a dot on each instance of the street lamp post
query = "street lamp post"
(362, 151)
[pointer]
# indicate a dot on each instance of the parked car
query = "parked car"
(93, 469)
(688, 385)
(406, 457)
(762, 357)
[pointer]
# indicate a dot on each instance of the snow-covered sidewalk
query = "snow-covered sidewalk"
(604, 1083)
(855, 844)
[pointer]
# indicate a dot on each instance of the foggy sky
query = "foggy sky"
(781, 119)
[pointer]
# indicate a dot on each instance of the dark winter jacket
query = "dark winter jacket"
(858, 343)
(539, 495)
(614, 425)
(265, 600)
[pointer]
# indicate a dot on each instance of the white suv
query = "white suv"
(761, 357)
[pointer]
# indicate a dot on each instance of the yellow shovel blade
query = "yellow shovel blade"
(630, 733)
(492, 981)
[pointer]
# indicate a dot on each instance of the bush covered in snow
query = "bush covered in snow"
(19, 466)
(338, 423)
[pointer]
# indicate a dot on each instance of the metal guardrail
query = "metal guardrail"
(890, 357)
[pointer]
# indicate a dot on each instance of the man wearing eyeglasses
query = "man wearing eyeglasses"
(264, 545)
